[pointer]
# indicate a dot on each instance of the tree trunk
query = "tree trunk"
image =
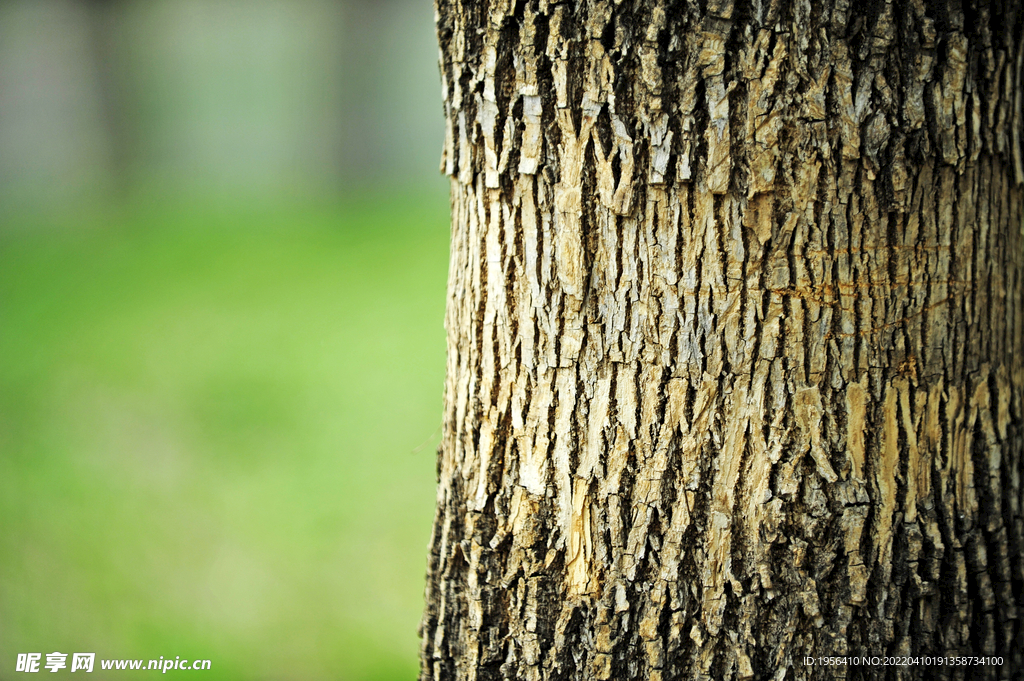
(734, 340)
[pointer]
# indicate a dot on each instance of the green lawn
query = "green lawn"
(217, 435)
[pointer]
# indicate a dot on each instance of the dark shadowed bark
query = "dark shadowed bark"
(735, 357)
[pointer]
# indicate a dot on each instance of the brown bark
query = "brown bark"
(735, 340)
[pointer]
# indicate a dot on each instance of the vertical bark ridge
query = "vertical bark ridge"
(735, 368)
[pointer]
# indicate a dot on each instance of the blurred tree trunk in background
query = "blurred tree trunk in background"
(104, 19)
(734, 340)
(363, 24)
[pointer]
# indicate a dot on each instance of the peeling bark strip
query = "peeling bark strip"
(735, 359)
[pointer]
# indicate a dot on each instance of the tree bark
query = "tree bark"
(734, 340)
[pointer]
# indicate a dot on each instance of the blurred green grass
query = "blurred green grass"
(217, 428)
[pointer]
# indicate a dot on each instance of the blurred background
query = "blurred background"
(223, 251)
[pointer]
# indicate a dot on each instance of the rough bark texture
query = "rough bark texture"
(735, 357)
